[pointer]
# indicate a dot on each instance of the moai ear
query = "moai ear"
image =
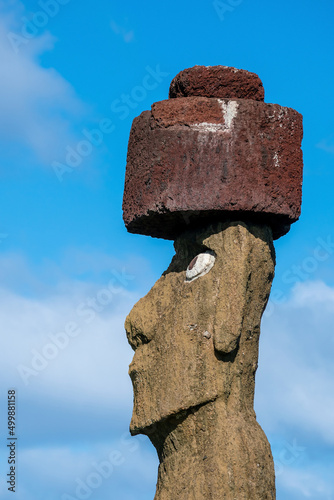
(229, 314)
(233, 249)
(230, 307)
(245, 265)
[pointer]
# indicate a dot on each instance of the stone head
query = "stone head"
(195, 334)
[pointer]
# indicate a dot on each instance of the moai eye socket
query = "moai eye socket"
(200, 265)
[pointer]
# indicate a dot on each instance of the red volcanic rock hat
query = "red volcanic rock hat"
(214, 151)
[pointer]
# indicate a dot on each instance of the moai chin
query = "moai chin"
(220, 172)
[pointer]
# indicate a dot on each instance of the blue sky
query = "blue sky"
(70, 272)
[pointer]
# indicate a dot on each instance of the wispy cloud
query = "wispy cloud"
(37, 104)
(327, 144)
(296, 373)
(52, 360)
(308, 483)
(123, 31)
(89, 362)
(294, 394)
(294, 390)
(117, 467)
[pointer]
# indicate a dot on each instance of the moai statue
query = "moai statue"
(220, 172)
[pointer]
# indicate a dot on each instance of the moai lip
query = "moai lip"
(193, 160)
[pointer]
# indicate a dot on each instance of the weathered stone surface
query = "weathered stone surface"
(217, 81)
(196, 352)
(198, 164)
(193, 160)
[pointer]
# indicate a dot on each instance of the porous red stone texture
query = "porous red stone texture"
(217, 81)
(195, 160)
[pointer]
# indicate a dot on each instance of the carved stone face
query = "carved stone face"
(195, 333)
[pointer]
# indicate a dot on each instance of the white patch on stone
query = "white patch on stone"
(235, 70)
(281, 114)
(230, 110)
(276, 160)
(203, 264)
(208, 127)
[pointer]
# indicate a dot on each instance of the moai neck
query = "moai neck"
(211, 453)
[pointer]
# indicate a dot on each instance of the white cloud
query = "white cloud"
(81, 268)
(327, 144)
(88, 378)
(295, 379)
(125, 33)
(294, 391)
(307, 483)
(313, 294)
(91, 365)
(124, 465)
(37, 104)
